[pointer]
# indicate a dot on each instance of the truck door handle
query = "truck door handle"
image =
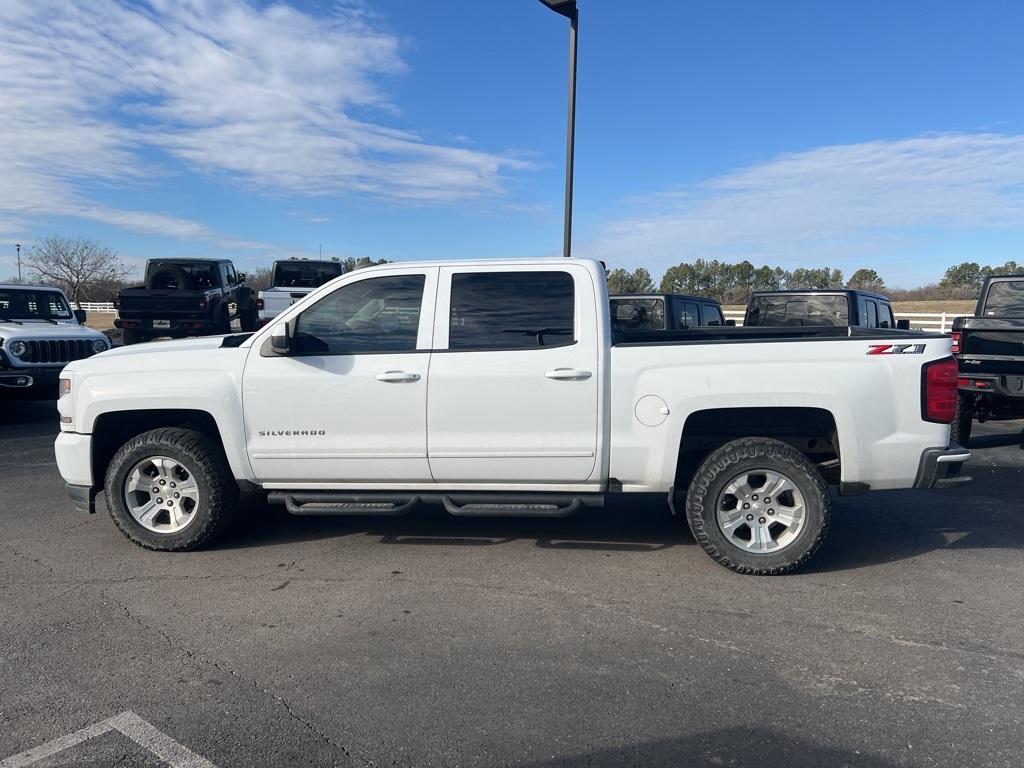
(397, 376)
(568, 374)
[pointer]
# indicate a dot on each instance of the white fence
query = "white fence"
(95, 306)
(919, 321)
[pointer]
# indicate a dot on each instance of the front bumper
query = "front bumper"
(940, 467)
(29, 383)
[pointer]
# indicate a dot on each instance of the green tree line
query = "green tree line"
(733, 283)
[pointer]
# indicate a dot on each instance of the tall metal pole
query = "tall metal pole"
(17, 247)
(570, 143)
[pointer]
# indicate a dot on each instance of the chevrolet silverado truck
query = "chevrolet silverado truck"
(290, 281)
(39, 335)
(990, 350)
(814, 307)
(185, 297)
(497, 389)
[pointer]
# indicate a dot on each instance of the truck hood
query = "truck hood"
(174, 345)
(35, 330)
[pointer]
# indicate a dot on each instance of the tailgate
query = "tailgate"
(993, 349)
(167, 304)
(277, 300)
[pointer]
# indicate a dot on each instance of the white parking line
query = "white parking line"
(128, 724)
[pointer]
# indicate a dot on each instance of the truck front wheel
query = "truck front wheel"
(170, 490)
(758, 506)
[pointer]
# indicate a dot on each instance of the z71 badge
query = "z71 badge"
(896, 349)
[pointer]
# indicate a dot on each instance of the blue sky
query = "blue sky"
(880, 134)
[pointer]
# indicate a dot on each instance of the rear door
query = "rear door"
(513, 384)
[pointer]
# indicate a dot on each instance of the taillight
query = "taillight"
(259, 304)
(938, 390)
(956, 342)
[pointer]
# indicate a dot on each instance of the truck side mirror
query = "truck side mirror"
(80, 316)
(240, 277)
(281, 339)
(730, 323)
(903, 325)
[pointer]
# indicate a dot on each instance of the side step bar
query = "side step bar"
(460, 505)
(540, 506)
(331, 504)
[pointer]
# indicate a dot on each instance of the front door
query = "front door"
(349, 405)
(514, 381)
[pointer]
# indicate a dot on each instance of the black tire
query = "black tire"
(167, 277)
(751, 454)
(223, 325)
(130, 336)
(248, 319)
(960, 429)
(218, 491)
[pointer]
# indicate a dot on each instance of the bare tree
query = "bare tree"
(259, 279)
(78, 266)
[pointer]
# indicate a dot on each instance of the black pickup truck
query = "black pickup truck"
(185, 297)
(989, 348)
(805, 307)
(663, 312)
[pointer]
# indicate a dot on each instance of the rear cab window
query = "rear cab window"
(799, 309)
(1005, 299)
(638, 314)
(711, 315)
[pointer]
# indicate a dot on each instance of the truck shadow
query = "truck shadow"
(28, 418)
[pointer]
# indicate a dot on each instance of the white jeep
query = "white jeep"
(39, 335)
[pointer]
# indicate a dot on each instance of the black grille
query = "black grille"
(57, 350)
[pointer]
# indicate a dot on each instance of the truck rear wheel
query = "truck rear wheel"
(170, 490)
(960, 429)
(758, 506)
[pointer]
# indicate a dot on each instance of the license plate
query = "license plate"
(161, 323)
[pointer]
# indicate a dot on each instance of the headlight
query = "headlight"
(98, 345)
(18, 348)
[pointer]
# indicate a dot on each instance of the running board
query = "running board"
(334, 504)
(490, 507)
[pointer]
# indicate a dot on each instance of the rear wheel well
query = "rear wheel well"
(112, 430)
(812, 431)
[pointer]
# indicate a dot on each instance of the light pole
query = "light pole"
(568, 9)
(17, 248)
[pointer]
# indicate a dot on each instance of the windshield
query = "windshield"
(301, 274)
(634, 314)
(1005, 299)
(798, 309)
(33, 304)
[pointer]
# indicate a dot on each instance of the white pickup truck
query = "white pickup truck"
(292, 280)
(497, 388)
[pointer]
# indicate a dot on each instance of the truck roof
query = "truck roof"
(182, 260)
(824, 291)
(32, 286)
(688, 297)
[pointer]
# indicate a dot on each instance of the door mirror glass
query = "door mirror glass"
(903, 325)
(240, 277)
(730, 323)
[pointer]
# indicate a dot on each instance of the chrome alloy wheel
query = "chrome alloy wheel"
(760, 511)
(161, 494)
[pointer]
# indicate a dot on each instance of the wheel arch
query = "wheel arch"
(811, 430)
(113, 429)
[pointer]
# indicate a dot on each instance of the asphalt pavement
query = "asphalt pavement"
(605, 640)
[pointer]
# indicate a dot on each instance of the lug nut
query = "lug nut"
(156, 490)
(766, 499)
(754, 497)
(159, 501)
(164, 482)
(745, 506)
(178, 496)
(770, 511)
(170, 503)
(174, 485)
(750, 517)
(761, 520)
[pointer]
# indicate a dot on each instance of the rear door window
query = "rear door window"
(511, 310)
(872, 308)
(686, 314)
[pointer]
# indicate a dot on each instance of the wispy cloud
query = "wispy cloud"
(835, 204)
(266, 97)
